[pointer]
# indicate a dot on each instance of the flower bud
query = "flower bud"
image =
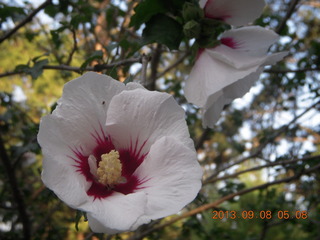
(192, 12)
(192, 29)
(209, 26)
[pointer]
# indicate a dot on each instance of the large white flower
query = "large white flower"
(233, 12)
(228, 71)
(118, 152)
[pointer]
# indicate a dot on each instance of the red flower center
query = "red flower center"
(230, 42)
(130, 159)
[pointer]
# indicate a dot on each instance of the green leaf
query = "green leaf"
(55, 38)
(30, 35)
(130, 46)
(192, 11)
(145, 10)
(163, 29)
(15, 13)
(51, 10)
(21, 68)
(35, 59)
(192, 29)
(61, 7)
(93, 56)
(37, 68)
(112, 14)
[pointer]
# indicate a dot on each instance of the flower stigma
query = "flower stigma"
(110, 168)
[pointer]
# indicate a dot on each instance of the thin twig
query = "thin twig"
(74, 49)
(96, 68)
(221, 200)
(270, 138)
(260, 167)
(25, 21)
(204, 136)
(291, 70)
(180, 60)
(145, 59)
(290, 11)
(155, 60)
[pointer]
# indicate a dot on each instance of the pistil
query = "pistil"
(110, 168)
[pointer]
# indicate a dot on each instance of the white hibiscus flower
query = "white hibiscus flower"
(229, 70)
(118, 152)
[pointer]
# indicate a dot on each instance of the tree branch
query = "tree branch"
(290, 11)
(291, 70)
(145, 60)
(25, 21)
(180, 60)
(204, 136)
(260, 167)
(270, 138)
(155, 60)
(15, 191)
(96, 68)
(74, 49)
(221, 200)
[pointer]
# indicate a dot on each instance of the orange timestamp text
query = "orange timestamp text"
(263, 214)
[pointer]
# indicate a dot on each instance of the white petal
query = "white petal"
(202, 3)
(252, 40)
(275, 57)
(241, 86)
(220, 75)
(133, 85)
(140, 117)
(236, 59)
(212, 110)
(216, 102)
(250, 47)
(81, 111)
(172, 177)
(210, 75)
(234, 12)
(117, 213)
(65, 182)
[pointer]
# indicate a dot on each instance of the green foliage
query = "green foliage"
(149, 8)
(35, 70)
(94, 56)
(191, 12)
(192, 29)
(158, 24)
(15, 13)
(145, 10)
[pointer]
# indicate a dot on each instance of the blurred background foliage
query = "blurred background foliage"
(262, 155)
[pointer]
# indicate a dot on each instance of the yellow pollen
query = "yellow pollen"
(109, 170)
